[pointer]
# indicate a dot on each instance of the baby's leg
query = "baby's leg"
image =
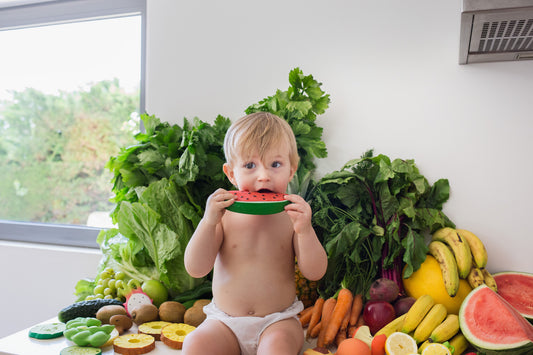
(211, 337)
(283, 337)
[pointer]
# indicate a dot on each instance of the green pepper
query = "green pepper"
(82, 321)
(81, 338)
(88, 331)
(98, 339)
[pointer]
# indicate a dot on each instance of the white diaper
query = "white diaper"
(249, 329)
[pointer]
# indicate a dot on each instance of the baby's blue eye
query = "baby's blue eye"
(249, 165)
(276, 164)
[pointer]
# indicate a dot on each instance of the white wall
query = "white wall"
(392, 70)
(37, 281)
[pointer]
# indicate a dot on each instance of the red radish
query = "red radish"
(384, 289)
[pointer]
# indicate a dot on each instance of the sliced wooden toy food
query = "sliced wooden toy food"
(174, 334)
(134, 344)
(153, 328)
(47, 331)
(80, 350)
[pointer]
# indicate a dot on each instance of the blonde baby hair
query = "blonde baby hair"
(258, 132)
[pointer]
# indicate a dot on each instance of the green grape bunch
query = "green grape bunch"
(113, 285)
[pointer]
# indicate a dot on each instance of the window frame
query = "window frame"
(36, 13)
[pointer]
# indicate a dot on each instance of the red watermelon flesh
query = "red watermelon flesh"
(493, 326)
(517, 289)
(259, 196)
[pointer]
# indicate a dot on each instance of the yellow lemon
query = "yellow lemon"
(399, 343)
(428, 280)
(436, 349)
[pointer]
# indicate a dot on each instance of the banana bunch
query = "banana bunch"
(461, 255)
(429, 322)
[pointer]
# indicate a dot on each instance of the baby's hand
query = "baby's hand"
(216, 205)
(300, 213)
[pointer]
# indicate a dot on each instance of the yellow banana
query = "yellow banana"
(417, 312)
(446, 330)
(459, 343)
(477, 248)
(448, 266)
(394, 326)
(460, 248)
(475, 277)
(435, 316)
(423, 346)
(489, 280)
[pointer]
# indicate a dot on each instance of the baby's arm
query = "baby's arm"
(203, 247)
(312, 258)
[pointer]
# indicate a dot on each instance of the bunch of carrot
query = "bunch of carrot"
(334, 319)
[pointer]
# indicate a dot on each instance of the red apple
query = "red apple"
(378, 314)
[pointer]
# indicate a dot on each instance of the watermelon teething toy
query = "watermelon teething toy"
(259, 203)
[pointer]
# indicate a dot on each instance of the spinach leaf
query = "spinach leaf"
(372, 216)
(299, 105)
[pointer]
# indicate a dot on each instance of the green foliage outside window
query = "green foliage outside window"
(53, 151)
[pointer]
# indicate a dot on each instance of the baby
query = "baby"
(254, 303)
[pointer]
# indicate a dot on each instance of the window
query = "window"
(65, 66)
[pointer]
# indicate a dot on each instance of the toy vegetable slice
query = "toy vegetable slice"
(80, 350)
(47, 331)
(258, 203)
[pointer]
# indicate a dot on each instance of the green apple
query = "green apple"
(156, 291)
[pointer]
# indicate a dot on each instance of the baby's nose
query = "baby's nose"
(263, 174)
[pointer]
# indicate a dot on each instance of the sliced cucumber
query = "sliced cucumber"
(47, 331)
(80, 350)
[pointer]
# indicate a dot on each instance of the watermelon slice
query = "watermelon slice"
(517, 289)
(493, 326)
(259, 203)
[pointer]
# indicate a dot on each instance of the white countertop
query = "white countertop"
(20, 343)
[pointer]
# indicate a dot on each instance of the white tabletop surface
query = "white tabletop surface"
(20, 343)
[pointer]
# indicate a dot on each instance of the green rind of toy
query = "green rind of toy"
(258, 208)
(47, 331)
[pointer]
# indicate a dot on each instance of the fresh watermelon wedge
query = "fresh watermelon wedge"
(259, 203)
(517, 289)
(493, 326)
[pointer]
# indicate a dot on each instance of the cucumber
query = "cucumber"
(80, 350)
(47, 331)
(85, 309)
(201, 291)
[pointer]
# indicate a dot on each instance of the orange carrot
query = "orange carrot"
(345, 322)
(351, 330)
(327, 312)
(343, 305)
(317, 313)
(315, 331)
(341, 335)
(357, 307)
(305, 316)
(360, 321)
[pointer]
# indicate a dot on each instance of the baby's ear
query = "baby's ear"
(228, 170)
(293, 171)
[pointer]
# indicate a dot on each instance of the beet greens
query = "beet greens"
(372, 217)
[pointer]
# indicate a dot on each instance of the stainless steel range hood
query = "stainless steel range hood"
(496, 30)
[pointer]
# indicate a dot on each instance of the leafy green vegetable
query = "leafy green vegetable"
(372, 216)
(161, 185)
(299, 105)
(192, 156)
